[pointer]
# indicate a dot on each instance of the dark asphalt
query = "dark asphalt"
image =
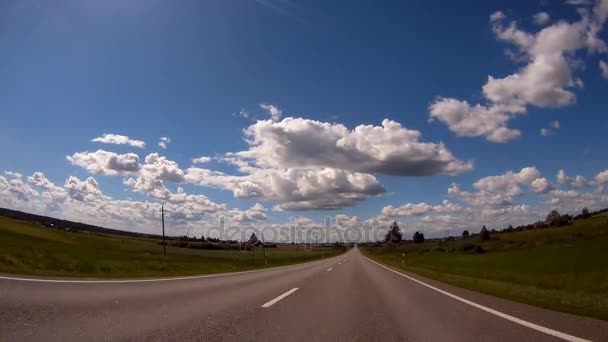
(356, 301)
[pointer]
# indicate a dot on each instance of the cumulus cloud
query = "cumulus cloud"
(541, 18)
(107, 163)
(419, 209)
(83, 199)
(13, 174)
(201, 160)
(118, 139)
(388, 149)
(601, 178)
(153, 173)
(498, 192)
(164, 142)
(86, 191)
(256, 213)
(604, 69)
(541, 185)
(495, 202)
(545, 81)
(576, 182)
(509, 182)
(294, 189)
(272, 110)
(472, 121)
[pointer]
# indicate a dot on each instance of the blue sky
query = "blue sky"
(72, 71)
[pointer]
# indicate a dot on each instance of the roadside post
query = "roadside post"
(162, 215)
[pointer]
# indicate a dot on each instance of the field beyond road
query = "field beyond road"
(30, 249)
(562, 268)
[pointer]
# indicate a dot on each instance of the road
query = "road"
(346, 298)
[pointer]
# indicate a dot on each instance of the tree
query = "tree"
(418, 237)
(465, 234)
(394, 234)
(484, 234)
(585, 212)
(554, 218)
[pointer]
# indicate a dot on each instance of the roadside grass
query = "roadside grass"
(30, 249)
(564, 268)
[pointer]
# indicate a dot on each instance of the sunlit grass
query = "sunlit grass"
(26, 248)
(563, 268)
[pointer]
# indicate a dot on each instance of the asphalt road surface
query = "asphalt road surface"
(346, 298)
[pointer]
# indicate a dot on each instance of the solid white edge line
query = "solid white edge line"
(101, 281)
(513, 319)
(329, 269)
(274, 301)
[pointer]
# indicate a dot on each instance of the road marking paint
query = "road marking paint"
(40, 280)
(513, 319)
(99, 281)
(329, 269)
(274, 301)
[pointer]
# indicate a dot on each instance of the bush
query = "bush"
(471, 248)
(477, 250)
(484, 234)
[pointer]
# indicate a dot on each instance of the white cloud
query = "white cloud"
(13, 174)
(541, 185)
(272, 110)
(419, 209)
(254, 214)
(546, 80)
(604, 69)
(578, 2)
(118, 139)
(244, 113)
(201, 160)
(601, 178)
(164, 142)
(541, 18)
(86, 191)
(576, 182)
(509, 182)
(497, 16)
(472, 121)
(294, 189)
(306, 165)
(388, 149)
(553, 126)
(153, 173)
(83, 200)
(106, 163)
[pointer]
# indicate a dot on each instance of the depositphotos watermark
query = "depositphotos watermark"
(300, 231)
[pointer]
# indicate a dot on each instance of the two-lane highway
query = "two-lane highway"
(346, 298)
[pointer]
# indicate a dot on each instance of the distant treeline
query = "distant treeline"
(553, 219)
(52, 222)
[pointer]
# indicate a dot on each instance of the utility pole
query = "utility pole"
(264, 248)
(162, 215)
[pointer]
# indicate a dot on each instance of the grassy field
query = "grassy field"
(26, 248)
(564, 268)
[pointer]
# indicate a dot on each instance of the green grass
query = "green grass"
(564, 268)
(29, 249)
